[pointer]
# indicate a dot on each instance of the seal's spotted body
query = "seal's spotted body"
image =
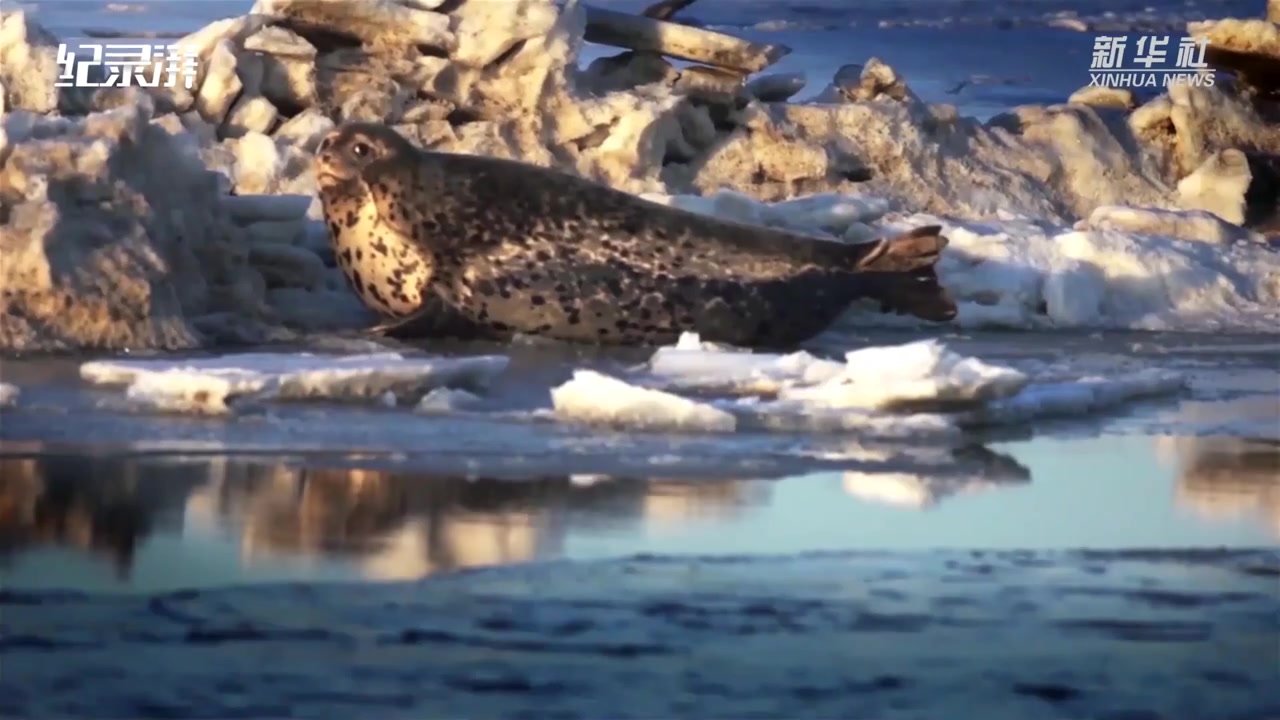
(385, 269)
(512, 247)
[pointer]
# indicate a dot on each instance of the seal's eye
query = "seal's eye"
(361, 149)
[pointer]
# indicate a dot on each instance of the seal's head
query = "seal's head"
(348, 153)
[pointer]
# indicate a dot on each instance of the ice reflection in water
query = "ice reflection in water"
(388, 524)
(1228, 478)
(162, 522)
(381, 523)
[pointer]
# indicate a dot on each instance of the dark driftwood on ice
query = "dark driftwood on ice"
(666, 9)
(636, 32)
(710, 83)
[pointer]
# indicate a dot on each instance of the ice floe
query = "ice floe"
(444, 400)
(205, 385)
(923, 373)
(906, 391)
(8, 394)
(594, 398)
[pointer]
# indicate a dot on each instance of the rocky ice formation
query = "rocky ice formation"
(180, 218)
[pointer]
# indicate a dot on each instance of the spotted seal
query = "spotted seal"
(472, 246)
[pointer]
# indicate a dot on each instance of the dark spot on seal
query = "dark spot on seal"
(538, 300)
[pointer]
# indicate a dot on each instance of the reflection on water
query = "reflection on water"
(989, 470)
(1228, 478)
(149, 522)
(385, 524)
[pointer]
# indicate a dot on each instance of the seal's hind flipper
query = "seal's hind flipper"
(919, 248)
(916, 293)
(902, 271)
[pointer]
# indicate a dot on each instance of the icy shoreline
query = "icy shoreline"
(1085, 214)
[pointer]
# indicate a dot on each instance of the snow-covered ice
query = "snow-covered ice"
(1019, 274)
(1199, 225)
(692, 364)
(821, 213)
(205, 385)
(876, 378)
(904, 391)
(923, 373)
(595, 398)
(1079, 397)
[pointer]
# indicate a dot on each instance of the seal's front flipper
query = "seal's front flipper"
(419, 324)
(919, 248)
(435, 319)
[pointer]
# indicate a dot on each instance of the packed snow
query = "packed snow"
(206, 385)
(911, 390)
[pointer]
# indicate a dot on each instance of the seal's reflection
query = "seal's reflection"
(393, 524)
